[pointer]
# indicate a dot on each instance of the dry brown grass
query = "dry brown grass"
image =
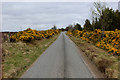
(105, 62)
(17, 57)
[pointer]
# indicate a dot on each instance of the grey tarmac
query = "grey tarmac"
(60, 60)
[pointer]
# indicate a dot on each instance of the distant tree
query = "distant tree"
(96, 24)
(69, 28)
(78, 27)
(107, 19)
(97, 12)
(93, 17)
(117, 19)
(87, 25)
(62, 29)
(110, 20)
(54, 27)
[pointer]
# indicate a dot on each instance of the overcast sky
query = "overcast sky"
(18, 16)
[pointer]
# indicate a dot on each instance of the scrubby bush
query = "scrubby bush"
(110, 41)
(29, 35)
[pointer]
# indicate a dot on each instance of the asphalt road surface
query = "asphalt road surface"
(60, 60)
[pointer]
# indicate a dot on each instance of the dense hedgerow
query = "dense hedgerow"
(110, 41)
(29, 35)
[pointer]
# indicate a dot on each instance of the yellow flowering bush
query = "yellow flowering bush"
(109, 42)
(69, 33)
(29, 35)
(26, 38)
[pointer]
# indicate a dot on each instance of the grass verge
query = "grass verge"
(106, 63)
(17, 57)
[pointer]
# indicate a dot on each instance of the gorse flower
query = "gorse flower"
(110, 41)
(29, 34)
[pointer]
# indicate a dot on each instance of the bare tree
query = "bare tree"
(93, 17)
(97, 12)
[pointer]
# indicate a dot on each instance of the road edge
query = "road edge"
(92, 68)
(40, 55)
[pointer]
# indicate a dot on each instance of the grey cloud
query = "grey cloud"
(44, 15)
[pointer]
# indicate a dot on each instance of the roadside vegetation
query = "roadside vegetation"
(99, 39)
(103, 55)
(30, 35)
(110, 42)
(25, 47)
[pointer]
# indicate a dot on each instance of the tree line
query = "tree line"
(103, 18)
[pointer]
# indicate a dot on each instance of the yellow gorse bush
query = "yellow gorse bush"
(69, 32)
(30, 34)
(110, 41)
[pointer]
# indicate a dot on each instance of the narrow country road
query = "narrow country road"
(60, 60)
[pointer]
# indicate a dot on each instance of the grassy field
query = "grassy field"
(106, 63)
(17, 57)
